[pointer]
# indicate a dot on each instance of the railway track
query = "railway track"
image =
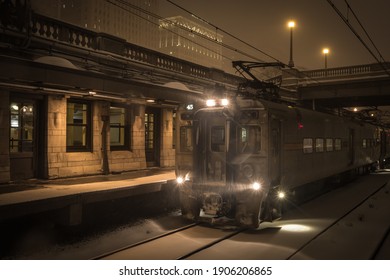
(186, 241)
(320, 229)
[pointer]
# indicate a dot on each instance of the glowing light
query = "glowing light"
(296, 228)
(210, 103)
(256, 186)
(291, 24)
(281, 195)
(325, 51)
(224, 102)
(180, 180)
(355, 109)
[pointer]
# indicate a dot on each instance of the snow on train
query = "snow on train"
(240, 158)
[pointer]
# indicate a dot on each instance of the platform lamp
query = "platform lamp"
(291, 25)
(325, 51)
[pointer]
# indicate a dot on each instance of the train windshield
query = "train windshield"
(249, 139)
(218, 139)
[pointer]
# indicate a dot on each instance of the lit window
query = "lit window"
(307, 145)
(78, 123)
(21, 127)
(337, 144)
(329, 144)
(319, 145)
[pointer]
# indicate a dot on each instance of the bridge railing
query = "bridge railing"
(53, 29)
(340, 72)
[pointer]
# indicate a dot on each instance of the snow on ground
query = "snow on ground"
(355, 236)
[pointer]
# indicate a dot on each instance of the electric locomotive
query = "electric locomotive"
(240, 157)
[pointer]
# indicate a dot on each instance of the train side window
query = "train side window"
(319, 145)
(329, 144)
(307, 145)
(185, 138)
(218, 139)
(337, 144)
(249, 139)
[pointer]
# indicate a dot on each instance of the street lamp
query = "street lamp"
(325, 51)
(291, 25)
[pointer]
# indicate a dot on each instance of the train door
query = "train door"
(351, 146)
(212, 158)
(152, 136)
(24, 139)
(275, 152)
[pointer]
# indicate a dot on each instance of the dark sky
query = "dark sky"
(263, 24)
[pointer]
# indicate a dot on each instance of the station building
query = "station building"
(77, 102)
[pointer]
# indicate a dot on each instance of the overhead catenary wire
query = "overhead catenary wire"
(364, 29)
(347, 22)
(295, 73)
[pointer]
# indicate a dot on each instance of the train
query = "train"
(243, 157)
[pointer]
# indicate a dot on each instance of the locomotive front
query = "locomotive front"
(225, 171)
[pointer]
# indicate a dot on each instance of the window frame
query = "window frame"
(126, 129)
(88, 127)
(319, 145)
(305, 147)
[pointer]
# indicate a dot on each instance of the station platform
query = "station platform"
(27, 197)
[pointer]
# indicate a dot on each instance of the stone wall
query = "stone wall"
(62, 163)
(167, 151)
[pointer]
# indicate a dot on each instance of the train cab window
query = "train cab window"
(319, 145)
(337, 144)
(218, 139)
(249, 139)
(329, 144)
(185, 138)
(307, 145)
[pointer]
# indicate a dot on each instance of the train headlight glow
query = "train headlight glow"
(180, 180)
(224, 102)
(211, 103)
(281, 195)
(256, 186)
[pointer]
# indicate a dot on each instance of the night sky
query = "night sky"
(263, 24)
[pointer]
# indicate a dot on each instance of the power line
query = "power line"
(346, 21)
(365, 31)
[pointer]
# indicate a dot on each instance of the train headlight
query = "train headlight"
(182, 179)
(256, 186)
(211, 103)
(281, 195)
(225, 102)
